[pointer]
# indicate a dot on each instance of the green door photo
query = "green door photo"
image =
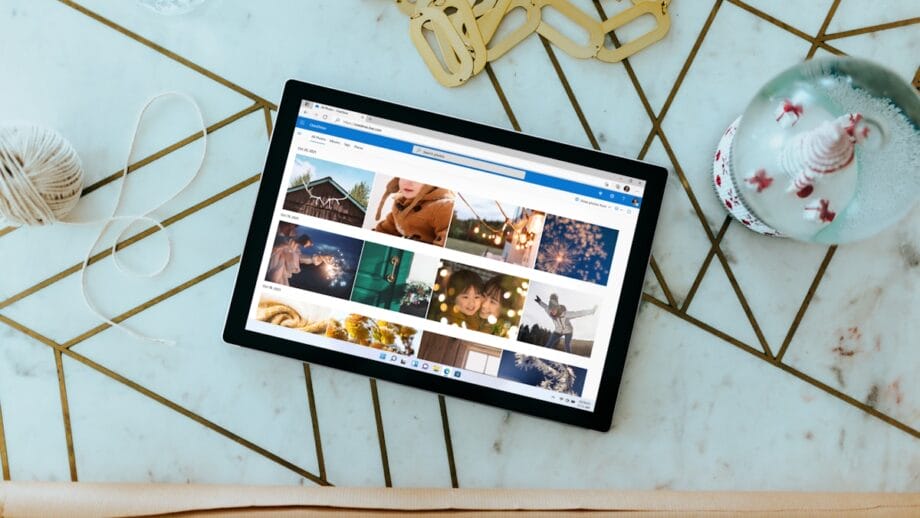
(381, 278)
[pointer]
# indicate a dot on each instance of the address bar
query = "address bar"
(468, 162)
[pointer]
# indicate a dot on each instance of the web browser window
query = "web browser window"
(447, 256)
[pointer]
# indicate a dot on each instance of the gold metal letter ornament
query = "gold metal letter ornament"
(464, 29)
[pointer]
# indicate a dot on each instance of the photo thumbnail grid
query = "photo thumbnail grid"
(464, 222)
(425, 346)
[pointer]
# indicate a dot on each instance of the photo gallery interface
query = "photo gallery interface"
(444, 255)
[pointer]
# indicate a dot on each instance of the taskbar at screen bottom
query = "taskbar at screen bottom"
(539, 372)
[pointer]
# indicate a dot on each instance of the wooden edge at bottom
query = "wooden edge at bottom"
(91, 499)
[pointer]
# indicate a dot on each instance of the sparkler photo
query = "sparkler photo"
(314, 260)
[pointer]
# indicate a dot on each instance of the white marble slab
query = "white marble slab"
(886, 48)
(681, 243)
(414, 434)
(774, 274)
(32, 417)
(693, 413)
(348, 428)
(257, 396)
(859, 334)
(128, 437)
(723, 78)
(66, 82)
(852, 14)
(659, 66)
(200, 241)
(805, 16)
(262, 45)
(537, 99)
(717, 304)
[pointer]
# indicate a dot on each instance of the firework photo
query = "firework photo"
(328, 190)
(576, 249)
(314, 260)
(538, 372)
(496, 230)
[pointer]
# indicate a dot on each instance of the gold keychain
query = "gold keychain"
(591, 26)
(464, 30)
(434, 19)
(656, 8)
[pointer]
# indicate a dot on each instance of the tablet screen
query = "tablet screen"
(446, 256)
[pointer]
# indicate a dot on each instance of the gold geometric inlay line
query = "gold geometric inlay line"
(736, 287)
(784, 367)
(656, 121)
(448, 443)
(502, 98)
(65, 412)
(157, 155)
(314, 420)
(649, 111)
(586, 126)
(806, 302)
(786, 27)
(131, 240)
(712, 238)
(718, 250)
(705, 266)
(873, 28)
(656, 270)
(268, 120)
(137, 387)
(703, 325)
(152, 302)
(4, 459)
(168, 53)
(172, 147)
(818, 41)
(381, 438)
(547, 47)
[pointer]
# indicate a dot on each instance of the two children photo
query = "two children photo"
(478, 299)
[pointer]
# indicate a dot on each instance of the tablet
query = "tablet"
(447, 255)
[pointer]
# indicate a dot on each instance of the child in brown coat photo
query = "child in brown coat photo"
(420, 211)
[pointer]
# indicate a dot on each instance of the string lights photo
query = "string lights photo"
(496, 230)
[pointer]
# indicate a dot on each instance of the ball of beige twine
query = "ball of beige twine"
(41, 176)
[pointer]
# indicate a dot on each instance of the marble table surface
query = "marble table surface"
(756, 363)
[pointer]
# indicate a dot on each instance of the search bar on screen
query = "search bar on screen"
(468, 162)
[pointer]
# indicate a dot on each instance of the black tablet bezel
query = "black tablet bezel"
(247, 277)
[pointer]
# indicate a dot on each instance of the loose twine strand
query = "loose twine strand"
(39, 186)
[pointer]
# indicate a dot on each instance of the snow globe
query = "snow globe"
(827, 152)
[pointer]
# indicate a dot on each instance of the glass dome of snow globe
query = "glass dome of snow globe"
(827, 152)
